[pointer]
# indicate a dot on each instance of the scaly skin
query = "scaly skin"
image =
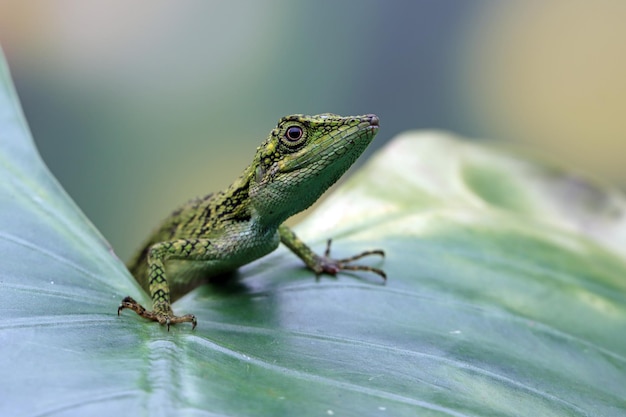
(208, 236)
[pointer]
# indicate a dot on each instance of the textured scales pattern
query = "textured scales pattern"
(208, 236)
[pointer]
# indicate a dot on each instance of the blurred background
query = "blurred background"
(138, 106)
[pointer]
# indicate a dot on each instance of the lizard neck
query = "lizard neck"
(274, 203)
(267, 211)
(240, 203)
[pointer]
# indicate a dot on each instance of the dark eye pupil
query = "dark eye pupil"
(294, 133)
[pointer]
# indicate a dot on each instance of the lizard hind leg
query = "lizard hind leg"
(159, 288)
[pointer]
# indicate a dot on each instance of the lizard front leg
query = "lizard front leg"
(186, 249)
(324, 264)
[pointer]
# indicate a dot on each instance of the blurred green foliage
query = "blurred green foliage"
(137, 107)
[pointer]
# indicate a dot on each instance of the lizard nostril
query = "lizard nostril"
(373, 119)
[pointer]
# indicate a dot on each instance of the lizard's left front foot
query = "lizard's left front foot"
(327, 265)
(163, 317)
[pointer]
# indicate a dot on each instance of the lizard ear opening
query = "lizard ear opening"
(259, 174)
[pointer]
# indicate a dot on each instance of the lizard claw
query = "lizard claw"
(162, 318)
(327, 265)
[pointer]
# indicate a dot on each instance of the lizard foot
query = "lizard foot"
(163, 318)
(332, 266)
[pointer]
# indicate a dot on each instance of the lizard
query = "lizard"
(218, 233)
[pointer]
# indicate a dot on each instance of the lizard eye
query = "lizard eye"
(294, 133)
(293, 137)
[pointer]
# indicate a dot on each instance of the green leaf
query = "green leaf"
(506, 296)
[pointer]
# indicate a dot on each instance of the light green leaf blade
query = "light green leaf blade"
(506, 296)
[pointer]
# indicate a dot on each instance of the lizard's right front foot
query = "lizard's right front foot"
(163, 317)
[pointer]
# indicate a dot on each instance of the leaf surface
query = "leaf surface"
(506, 296)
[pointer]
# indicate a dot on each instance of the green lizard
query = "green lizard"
(215, 234)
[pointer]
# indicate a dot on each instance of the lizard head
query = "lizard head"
(302, 157)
